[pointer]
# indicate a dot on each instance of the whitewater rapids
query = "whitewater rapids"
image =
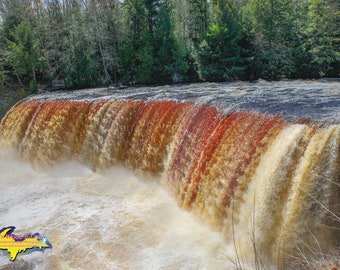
(108, 220)
(213, 178)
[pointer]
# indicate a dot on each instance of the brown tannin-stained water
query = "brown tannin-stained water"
(174, 177)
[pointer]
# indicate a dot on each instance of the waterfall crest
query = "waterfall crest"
(270, 186)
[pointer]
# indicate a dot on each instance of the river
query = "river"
(140, 207)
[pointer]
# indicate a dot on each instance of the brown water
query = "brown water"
(247, 178)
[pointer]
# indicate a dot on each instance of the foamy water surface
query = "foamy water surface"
(115, 219)
(107, 220)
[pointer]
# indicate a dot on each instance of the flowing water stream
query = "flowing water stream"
(199, 176)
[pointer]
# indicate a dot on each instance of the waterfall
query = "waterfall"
(268, 185)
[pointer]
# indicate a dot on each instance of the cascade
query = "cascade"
(268, 185)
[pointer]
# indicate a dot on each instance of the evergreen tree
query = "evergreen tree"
(198, 18)
(13, 12)
(186, 51)
(136, 52)
(104, 19)
(80, 66)
(272, 27)
(93, 42)
(320, 48)
(221, 55)
(3, 71)
(169, 57)
(24, 55)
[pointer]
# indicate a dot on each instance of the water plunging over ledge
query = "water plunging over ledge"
(256, 164)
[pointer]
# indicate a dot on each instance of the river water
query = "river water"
(316, 100)
(118, 219)
(107, 220)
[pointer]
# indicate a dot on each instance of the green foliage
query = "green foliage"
(81, 70)
(184, 69)
(3, 73)
(23, 54)
(127, 60)
(320, 49)
(80, 60)
(221, 56)
(144, 61)
(88, 43)
(271, 24)
(33, 86)
(3, 76)
(198, 18)
(136, 52)
(292, 39)
(164, 45)
(212, 65)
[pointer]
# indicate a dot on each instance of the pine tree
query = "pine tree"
(80, 57)
(93, 42)
(135, 50)
(320, 48)
(165, 46)
(272, 26)
(198, 18)
(24, 55)
(221, 55)
(104, 17)
(186, 46)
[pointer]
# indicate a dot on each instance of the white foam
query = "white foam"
(108, 220)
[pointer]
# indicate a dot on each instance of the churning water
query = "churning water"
(107, 220)
(174, 177)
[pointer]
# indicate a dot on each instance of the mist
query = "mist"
(106, 220)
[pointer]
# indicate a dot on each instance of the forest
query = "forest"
(89, 43)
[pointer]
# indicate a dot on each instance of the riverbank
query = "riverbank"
(10, 96)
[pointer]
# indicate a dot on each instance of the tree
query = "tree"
(198, 18)
(12, 13)
(103, 19)
(24, 55)
(136, 51)
(80, 58)
(320, 49)
(169, 60)
(92, 42)
(3, 71)
(186, 47)
(221, 55)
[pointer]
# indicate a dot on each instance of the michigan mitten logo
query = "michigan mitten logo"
(16, 244)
